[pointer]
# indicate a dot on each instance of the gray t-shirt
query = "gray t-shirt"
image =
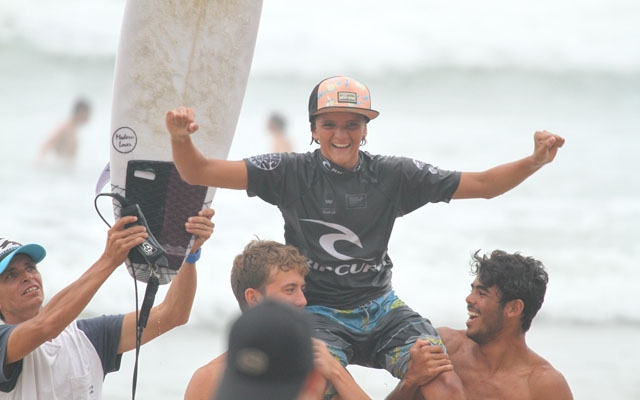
(341, 220)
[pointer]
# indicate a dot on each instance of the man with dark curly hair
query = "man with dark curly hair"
(491, 357)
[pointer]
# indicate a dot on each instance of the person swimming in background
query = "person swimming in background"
(63, 141)
(277, 127)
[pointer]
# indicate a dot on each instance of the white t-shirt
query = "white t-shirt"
(69, 367)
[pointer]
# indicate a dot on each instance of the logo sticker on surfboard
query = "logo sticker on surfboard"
(124, 140)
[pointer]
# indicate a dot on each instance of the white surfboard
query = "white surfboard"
(195, 53)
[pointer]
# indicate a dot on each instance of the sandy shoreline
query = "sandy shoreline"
(599, 362)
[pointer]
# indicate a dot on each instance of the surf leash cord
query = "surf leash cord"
(154, 256)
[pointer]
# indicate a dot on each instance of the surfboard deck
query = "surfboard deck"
(196, 53)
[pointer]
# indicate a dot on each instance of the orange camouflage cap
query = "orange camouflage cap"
(341, 93)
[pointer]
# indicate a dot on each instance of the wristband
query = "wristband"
(193, 257)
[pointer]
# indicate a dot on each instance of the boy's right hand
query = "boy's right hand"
(180, 122)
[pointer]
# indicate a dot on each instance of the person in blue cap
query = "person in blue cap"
(47, 353)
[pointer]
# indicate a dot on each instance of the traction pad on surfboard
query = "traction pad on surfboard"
(166, 202)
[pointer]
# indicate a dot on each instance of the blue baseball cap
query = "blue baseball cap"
(9, 248)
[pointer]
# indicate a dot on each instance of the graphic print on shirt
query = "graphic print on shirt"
(266, 162)
(341, 220)
(327, 241)
(420, 165)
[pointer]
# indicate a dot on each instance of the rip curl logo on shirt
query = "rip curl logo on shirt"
(420, 165)
(327, 165)
(266, 162)
(331, 168)
(327, 241)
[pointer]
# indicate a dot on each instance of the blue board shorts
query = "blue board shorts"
(377, 334)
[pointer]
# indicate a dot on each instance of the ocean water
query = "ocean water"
(462, 85)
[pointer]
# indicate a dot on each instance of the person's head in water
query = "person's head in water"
(277, 124)
(81, 110)
(277, 127)
(339, 111)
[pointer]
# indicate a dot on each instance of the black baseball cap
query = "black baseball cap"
(270, 354)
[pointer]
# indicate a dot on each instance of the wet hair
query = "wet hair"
(252, 268)
(516, 277)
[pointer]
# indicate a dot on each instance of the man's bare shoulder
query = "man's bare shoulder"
(453, 338)
(206, 378)
(546, 382)
(213, 367)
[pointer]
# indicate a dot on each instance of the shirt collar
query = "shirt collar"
(333, 168)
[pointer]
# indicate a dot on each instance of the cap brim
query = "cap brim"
(35, 251)
(371, 114)
(236, 387)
